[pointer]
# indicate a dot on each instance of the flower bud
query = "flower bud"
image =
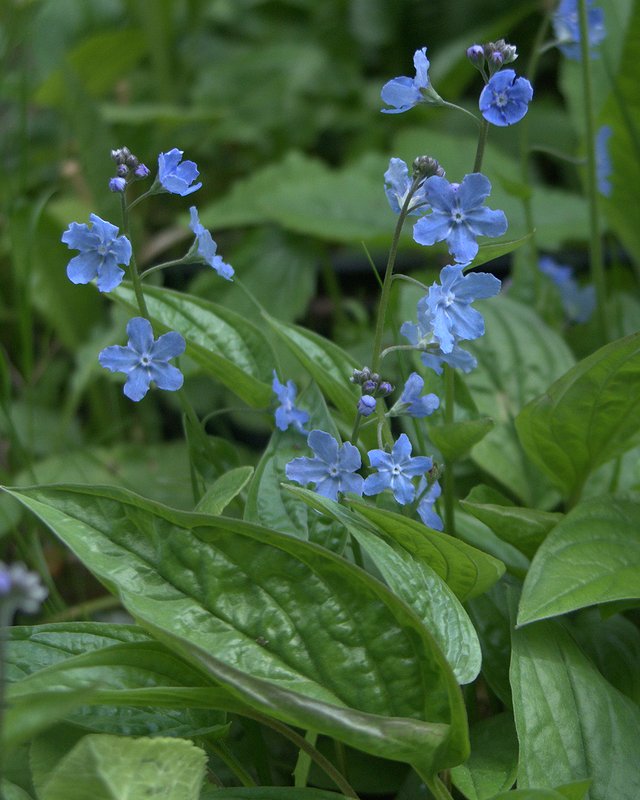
(475, 54)
(117, 184)
(369, 386)
(384, 388)
(366, 405)
(122, 170)
(427, 167)
(360, 375)
(141, 171)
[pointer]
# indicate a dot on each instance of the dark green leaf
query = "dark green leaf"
(454, 439)
(591, 556)
(224, 490)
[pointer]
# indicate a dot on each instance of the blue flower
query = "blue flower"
(366, 405)
(144, 360)
(207, 247)
(458, 215)
(177, 177)
(603, 160)
(505, 99)
(566, 25)
(397, 184)
(450, 305)
(117, 184)
(333, 469)
(410, 401)
(578, 302)
(287, 415)
(404, 93)
(395, 470)
(20, 589)
(426, 500)
(101, 250)
(422, 337)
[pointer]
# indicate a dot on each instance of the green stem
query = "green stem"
(86, 609)
(464, 111)
(159, 267)
(133, 267)
(435, 786)
(303, 764)
(595, 239)
(449, 481)
(409, 279)
(356, 429)
(482, 141)
(388, 275)
(224, 753)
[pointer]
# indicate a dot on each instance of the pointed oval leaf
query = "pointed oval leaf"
(290, 628)
(587, 417)
(454, 439)
(225, 344)
(591, 556)
(572, 724)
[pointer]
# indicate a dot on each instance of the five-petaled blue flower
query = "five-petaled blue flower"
(410, 401)
(333, 469)
(578, 302)
(144, 360)
(603, 160)
(426, 499)
(395, 470)
(505, 99)
(101, 250)
(449, 302)
(458, 215)
(422, 337)
(404, 93)
(287, 415)
(566, 26)
(207, 247)
(177, 177)
(397, 184)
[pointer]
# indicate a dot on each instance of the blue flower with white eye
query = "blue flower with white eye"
(397, 184)
(566, 26)
(333, 468)
(412, 403)
(144, 359)
(287, 415)
(395, 470)
(175, 175)
(101, 250)
(422, 337)
(404, 93)
(449, 303)
(505, 99)
(207, 247)
(426, 500)
(458, 215)
(603, 160)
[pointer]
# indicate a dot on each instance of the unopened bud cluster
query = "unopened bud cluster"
(492, 55)
(426, 167)
(128, 168)
(372, 386)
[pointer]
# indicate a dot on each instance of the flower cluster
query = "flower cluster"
(20, 589)
(287, 415)
(372, 386)
(446, 317)
(103, 252)
(334, 469)
(578, 302)
(566, 26)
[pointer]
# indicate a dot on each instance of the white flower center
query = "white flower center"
(501, 99)
(449, 299)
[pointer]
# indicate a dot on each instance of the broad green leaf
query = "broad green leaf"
(513, 368)
(27, 716)
(591, 556)
(572, 725)
(587, 417)
(417, 584)
(454, 439)
(467, 571)
(570, 791)
(614, 646)
(493, 763)
(286, 625)
(477, 534)
(524, 528)
(107, 767)
(225, 344)
(269, 793)
(9, 791)
(224, 490)
(327, 364)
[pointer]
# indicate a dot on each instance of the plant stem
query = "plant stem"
(135, 277)
(595, 239)
(303, 764)
(449, 480)
(224, 753)
(482, 141)
(159, 267)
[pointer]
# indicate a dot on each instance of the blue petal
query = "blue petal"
(79, 237)
(306, 470)
(324, 446)
(380, 459)
(351, 483)
(329, 487)
(109, 275)
(401, 449)
(401, 94)
(137, 384)
(140, 335)
(166, 376)
(118, 359)
(473, 191)
(167, 346)
(349, 459)
(377, 483)
(487, 222)
(421, 64)
(433, 228)
(83, 268)
(403, 490)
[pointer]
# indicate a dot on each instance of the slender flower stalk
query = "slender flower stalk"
(135, 276)
(595, 238)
